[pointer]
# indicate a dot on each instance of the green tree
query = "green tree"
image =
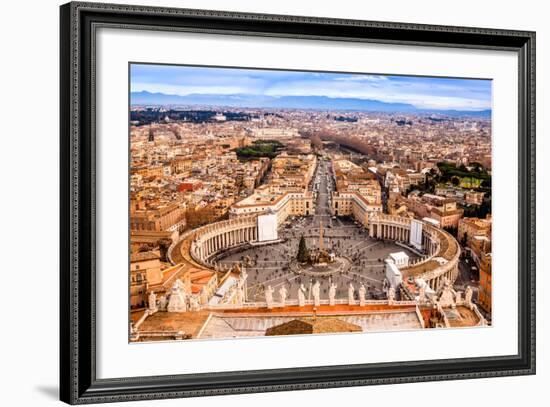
(303, 255)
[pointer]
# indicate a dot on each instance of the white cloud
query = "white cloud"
(418, 95)
(421, 94)
(362, 78)
(183, 90)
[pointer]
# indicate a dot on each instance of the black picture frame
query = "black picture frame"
(78, 381)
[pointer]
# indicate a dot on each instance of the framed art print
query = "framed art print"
(260, 203)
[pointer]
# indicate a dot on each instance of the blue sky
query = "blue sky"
(422, 92)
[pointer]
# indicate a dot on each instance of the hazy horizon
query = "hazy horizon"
(235, 87)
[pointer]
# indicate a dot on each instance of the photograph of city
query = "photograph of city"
(270, 202)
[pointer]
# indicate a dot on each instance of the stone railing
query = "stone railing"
(289, 303)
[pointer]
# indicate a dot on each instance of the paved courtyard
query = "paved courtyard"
(269, 265)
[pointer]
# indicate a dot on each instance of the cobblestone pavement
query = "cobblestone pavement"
(343, 236)
(270, 264)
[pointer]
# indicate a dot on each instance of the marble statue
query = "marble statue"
(282, 295)
(332, 294)
(153, 302)
(446, 297)
(177, 298)
(362, 292)
(163, 303)
(422, 294)
(301, 295)
(269, 296)
(315, 291)
(194, 303)
(468, 297)
(351, 296)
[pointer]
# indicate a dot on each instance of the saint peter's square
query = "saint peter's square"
(314, 255)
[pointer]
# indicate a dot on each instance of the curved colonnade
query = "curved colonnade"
(441, 250)
(209, 240)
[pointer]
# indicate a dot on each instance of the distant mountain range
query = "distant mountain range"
(287, 102)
